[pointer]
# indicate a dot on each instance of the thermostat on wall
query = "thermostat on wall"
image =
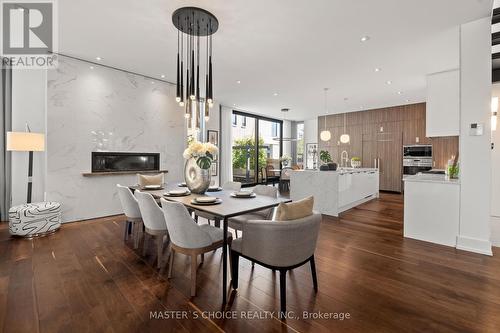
(476, 129)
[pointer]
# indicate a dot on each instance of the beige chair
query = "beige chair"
(228, 186)
(144, 180)
(281, 246)
(154, 223)
(189, 238)
(132, 213)
(237, 222)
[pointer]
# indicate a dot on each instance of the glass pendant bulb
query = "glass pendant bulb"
(178, 99)
(344, 138)
(192, 97)
(181, 103)
(325, 135)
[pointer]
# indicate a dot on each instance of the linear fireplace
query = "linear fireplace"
(118, 161)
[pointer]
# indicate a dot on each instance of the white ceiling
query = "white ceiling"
(293, 47)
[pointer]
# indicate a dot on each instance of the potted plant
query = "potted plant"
(355, 162)
(326, 158)
(199, 158)
(285, 159)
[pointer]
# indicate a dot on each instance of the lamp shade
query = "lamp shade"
(325, 135)
(25, 141)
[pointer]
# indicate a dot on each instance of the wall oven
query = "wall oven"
(416, 158)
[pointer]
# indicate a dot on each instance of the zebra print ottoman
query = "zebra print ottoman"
(34, 219)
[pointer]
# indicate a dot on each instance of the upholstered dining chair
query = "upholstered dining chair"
(237, 222)
(285, 179)
(278, 245)
(189, 238)
(228, 186)
(154, 223)
(132, 212)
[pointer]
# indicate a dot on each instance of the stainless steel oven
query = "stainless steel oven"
(416, 158)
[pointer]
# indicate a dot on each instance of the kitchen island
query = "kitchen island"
(335, 191)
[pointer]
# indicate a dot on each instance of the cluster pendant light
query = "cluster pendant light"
(325, 134)
(194, 25)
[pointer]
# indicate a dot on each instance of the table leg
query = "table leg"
(224, 263)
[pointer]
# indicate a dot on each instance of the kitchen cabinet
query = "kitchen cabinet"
(443, 104)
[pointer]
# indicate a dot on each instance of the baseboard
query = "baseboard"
(474, 245)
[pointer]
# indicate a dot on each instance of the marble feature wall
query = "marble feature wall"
(135, 113)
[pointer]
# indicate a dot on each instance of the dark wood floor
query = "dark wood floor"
(85, 279)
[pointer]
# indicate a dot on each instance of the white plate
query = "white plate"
(206, 199)
(243, 193)
(178, 192)
(153, 187)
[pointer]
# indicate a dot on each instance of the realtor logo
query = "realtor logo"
(28, 34)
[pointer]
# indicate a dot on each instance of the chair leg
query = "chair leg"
(235, 259)
(193, 275)
(136, 226)
(145, 244)
(159, 249)
(313, 272)
(202, 257)
(236, 233)
(171, 264)
(282, 293)
(196, 217)
(127, 225)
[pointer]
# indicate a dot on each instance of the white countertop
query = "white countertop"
(342, 171)
(432, 178)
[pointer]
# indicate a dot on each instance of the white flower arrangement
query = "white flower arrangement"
(203, 152)
(285, 158)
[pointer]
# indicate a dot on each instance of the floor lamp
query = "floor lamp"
(30, 142)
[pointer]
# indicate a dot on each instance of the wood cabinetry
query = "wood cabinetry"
(381, 133)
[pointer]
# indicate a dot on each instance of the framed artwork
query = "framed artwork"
(312, 155)
(213, 137)
(213, 169)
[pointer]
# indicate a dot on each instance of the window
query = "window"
(243, 122)
(235, 120)
(274, 129)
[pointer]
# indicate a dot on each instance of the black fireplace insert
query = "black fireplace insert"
(115, 162)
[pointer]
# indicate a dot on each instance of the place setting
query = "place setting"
(243, 194)
(206, 201)
(177, 193)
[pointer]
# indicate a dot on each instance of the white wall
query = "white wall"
(29, 92)
(475, 153)
(495, 179)
(143, 117)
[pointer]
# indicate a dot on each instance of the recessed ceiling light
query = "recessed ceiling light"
(162, 76)
(238, 81)
(377, 69)
(365, 38)
(275, 94)
(91, 67)
(234, 104)
(152, 82)
(400, 92)
(98, 58)
(389, 82)
(361, 108)
(407, 100)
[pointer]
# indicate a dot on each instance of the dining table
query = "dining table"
(230, 206)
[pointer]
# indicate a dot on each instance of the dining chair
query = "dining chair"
(237, 222)
(271, 175)
(132, 212)
(154, 223)
(189, 238)
(228, 186)
(281, 246)
(285, 179)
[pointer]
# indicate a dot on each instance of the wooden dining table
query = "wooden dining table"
(229, 207)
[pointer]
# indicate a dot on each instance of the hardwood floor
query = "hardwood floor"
(84, 278)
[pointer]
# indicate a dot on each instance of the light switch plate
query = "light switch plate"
(476, 129)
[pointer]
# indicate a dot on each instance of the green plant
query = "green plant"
(325, 156)
(453, 171)
(357, 159)
(243, 149)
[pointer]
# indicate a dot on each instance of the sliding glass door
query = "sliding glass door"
(250, 155)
